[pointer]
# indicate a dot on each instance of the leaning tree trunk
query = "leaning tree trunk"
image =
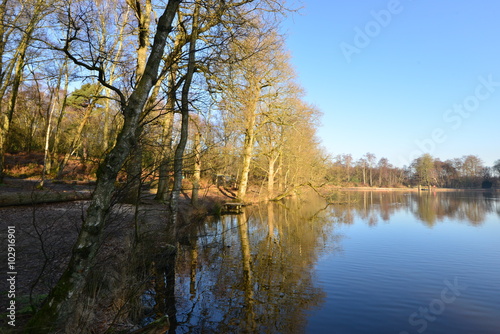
(63, 298)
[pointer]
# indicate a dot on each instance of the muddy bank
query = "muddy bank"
(45, 234)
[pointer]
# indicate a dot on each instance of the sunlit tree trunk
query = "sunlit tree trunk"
(247, 154)
(271, 173)
(197, 169)
(250, 112)
(48, 129)
(167, 129)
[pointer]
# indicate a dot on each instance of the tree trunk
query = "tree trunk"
(270, 176)
(134, 174)
(171, 67)
(197, 169)
(166, 149)
(74, 142)
(134, 165)
(62, 107)
(247, 158)
(179, 151)
(46, 151)
(65, 295)
(251, 114)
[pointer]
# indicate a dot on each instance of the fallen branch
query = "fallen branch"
(39, 197)
(226, 193)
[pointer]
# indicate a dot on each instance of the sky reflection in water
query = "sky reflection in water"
(383, 263)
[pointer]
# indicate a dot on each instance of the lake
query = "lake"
(375, 262)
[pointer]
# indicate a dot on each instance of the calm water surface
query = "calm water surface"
(380, 262)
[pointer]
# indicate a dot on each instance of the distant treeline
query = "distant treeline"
(466, 172)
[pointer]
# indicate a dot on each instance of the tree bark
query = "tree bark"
(134, 174)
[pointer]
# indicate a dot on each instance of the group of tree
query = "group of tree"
(222, 99)
(171, 90)
(466, 172)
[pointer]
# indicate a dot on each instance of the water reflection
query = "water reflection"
(428, 207)
(254, 272)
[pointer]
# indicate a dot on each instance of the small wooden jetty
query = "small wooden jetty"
(232, 208)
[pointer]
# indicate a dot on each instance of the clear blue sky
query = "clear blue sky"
(402, 78)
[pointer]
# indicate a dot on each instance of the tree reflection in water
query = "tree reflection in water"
(253, 272)
(428, 207)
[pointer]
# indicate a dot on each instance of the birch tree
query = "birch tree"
(252, 70)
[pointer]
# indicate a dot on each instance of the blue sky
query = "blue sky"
(401, 78)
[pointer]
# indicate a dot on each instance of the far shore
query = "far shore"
(414, 189)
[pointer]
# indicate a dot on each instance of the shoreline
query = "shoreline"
(415, 189)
